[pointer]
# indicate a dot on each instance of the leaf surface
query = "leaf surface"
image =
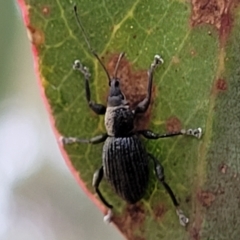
(197, 86)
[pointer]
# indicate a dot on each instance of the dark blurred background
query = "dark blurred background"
(39, 198)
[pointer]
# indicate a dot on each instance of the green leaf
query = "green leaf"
(197, 86)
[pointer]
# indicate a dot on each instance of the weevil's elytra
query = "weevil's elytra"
(125, 161)
(129, 172)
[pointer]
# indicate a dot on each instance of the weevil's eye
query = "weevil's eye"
(116, 83)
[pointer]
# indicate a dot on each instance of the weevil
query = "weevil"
(125, 160)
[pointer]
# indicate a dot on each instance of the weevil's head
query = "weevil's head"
(116, 97)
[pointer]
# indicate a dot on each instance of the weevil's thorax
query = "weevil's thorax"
(119, 119)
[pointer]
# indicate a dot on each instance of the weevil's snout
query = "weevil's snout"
(116, 97)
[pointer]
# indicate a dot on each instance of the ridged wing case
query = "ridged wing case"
(125, 164)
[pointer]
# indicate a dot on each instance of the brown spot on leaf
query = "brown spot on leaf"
(214, 12)
(221, 85)
(206, 198)
(194, 234)
(35, 36)
(131, 221)
(159, 212)
(134, 85)
(173, 124)
(46, 10)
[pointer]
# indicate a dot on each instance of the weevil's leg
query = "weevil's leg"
(97, 178)
(143, 105)
(94, 140)
(191, 132)
(97, 108)
(160, 175)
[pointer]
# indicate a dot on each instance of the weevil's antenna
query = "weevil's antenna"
(88, 43)
(117, 65)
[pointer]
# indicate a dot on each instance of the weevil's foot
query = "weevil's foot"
(192, 132)
(108, 217)
(182, 218)
(61, 140)
(157, 61)
(65, 140)
(84, 70)
(77, 65)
